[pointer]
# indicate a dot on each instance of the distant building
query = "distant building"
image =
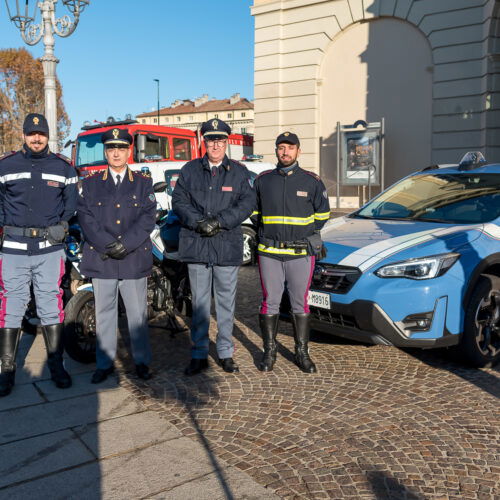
(237, 112)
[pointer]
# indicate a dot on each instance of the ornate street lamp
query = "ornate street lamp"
(32, 33)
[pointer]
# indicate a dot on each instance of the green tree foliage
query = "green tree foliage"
(22, 92)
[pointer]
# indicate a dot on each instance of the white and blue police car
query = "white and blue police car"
(419, 265)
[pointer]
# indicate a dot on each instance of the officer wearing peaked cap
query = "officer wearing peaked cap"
(116, 211)
(212, 198)
(38, 196)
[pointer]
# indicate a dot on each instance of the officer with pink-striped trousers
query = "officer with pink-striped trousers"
(38, 195)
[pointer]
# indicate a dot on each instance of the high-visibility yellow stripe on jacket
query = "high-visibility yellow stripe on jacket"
(294, 221)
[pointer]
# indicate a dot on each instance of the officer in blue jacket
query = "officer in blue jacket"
(116, 211)
(212, 198)
(38, 194)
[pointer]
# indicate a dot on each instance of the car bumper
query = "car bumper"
(366, 321)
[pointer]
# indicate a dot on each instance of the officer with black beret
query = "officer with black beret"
(116, 211)
(212, 198)
(38, 195)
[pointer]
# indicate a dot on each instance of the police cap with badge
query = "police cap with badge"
(35, 122)
(215, 129)
(288, 138)
(116, 138)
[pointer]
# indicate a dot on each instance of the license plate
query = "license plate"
(318, 299)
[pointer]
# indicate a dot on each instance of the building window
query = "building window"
(167, 119)
(143, 120)
(178, 118)
(243, 114)
(216, 115)
(243, 130)
(191, 118)
(230, 115)
(154, 120)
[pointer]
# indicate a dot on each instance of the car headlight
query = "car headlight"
(424, 268)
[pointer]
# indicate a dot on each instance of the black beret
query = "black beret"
(35, 122)
(288, 137)
(215, 129)
(116, 137)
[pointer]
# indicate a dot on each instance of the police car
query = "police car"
(419, 265)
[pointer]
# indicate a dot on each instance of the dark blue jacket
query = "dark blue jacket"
(107, 214)
(36, 190)
(227, 196)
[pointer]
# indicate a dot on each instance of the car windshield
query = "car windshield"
(89, 150)
(458, 198)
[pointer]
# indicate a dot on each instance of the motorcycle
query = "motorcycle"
(168, 291)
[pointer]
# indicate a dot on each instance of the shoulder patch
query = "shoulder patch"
(7, 154)
(312, 174)
(63, 158)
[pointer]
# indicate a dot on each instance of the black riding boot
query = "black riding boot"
(301, 330)
(53, 336)
(269, 328)
(9, 340)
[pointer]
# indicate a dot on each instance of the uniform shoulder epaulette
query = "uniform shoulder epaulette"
(7, 154)
(312, 174)
(146, 175)
(265, 172)
(63, 158)
(91, 174)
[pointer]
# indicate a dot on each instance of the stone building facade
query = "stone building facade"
(430, 68)
(236, 111)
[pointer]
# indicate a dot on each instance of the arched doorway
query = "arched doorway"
(375, 69)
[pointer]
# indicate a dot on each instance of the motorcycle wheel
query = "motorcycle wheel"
(79, 327)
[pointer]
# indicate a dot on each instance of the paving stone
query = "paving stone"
(21, 395)
(133, 476)
(55, 416)
(41, 455)
(124, 434)
(81, 386)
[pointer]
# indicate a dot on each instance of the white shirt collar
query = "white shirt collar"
(113, 173)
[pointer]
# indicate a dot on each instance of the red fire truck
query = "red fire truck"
(155, 146)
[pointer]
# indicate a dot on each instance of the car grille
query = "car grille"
(338, 319)
(331, 278)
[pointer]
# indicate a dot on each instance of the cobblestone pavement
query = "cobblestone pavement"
(374, 422)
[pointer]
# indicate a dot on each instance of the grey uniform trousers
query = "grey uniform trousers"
(224, 280)
(134, 295)
(17, 272)
(297, 273)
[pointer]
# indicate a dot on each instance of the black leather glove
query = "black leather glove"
(57, 234)
(116, 250)
(209, 226)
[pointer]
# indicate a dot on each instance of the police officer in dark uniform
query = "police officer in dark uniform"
(116, 211)
(212, 198)
(38, 195)
(292, 206)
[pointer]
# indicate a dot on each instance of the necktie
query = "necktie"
(214, 171)
(118, 181)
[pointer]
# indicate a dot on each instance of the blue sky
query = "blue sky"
(108, 64)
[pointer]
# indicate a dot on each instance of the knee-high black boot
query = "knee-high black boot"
(9, 341)
(269, 328)
(53, 336)
(301, 330)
